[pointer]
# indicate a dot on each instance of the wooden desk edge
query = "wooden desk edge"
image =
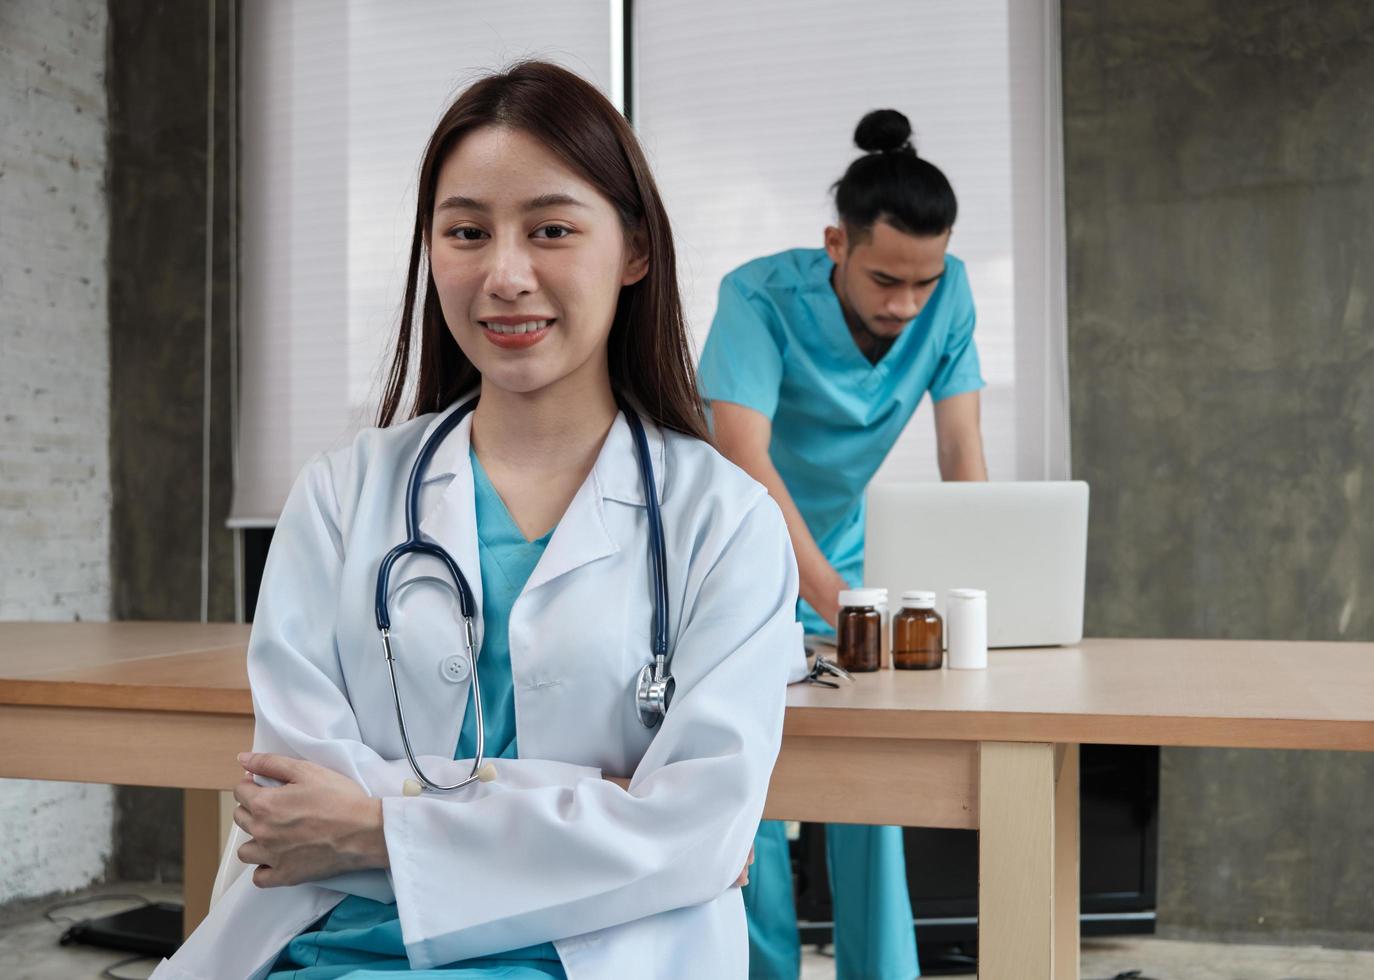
(127, 697)
(1072, 729)
(841, 723)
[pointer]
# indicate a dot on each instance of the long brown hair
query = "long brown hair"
(649, 357)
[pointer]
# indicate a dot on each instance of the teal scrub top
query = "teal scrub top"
(779, 344)
(360, 936)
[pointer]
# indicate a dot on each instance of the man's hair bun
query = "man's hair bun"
(884, 131)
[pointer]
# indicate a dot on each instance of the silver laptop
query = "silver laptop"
(1026, 544)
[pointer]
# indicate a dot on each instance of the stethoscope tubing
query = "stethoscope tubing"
(414, 545)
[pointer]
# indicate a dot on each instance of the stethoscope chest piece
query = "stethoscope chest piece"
(653, 694)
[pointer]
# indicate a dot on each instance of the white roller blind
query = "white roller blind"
(337, 101)
(748, 111)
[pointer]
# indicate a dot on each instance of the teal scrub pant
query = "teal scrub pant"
(874, 939)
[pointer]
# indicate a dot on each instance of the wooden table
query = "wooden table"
(134, 704)
(163, 704)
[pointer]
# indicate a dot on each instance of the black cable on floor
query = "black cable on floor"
(108, 972)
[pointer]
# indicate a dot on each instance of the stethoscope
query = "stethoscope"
(654, 686)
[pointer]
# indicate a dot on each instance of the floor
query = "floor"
(29, 947)
(1148, 958)
(29, 951)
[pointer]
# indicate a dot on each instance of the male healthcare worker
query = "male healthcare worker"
(815, 361)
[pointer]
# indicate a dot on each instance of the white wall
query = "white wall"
(54, 391)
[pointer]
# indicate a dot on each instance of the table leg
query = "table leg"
(1066, 873)
(206, 826)
(1028, 862)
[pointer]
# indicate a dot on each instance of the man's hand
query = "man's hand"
(315, 825)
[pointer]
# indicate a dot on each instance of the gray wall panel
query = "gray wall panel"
(1220, 192)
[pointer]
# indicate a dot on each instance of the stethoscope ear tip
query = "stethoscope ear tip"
(412, 787)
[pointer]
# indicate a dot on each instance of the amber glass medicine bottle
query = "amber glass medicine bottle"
(859, 630)
(918, 633)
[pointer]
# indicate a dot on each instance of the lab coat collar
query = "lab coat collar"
(616, 470)
(451, 457)
(582, 535)
(617, 465)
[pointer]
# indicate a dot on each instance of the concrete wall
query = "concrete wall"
(54, 392)
(104, 497)
(1220, 180)
(172, 557)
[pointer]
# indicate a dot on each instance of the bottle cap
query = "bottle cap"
(967, 594)
(860, 598)
(918, 600)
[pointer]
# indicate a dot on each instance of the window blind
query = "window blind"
(337, 102)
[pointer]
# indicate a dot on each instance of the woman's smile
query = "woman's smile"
(515, 332)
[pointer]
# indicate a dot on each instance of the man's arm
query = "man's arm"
(958, 439)
(743, 435)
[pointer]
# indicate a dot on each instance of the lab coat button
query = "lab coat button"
(454, 669)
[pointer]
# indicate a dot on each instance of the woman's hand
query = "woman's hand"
(315, 825)
(743, 878)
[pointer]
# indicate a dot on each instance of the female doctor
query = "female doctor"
(542, 280)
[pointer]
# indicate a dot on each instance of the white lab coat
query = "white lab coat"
(626, 884)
